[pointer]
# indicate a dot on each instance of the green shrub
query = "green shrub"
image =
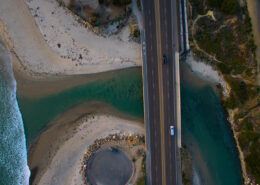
(139, 4)
(246, 137)
(198, 4)
(253, 160)
(101, 1)
(214, 3)
(247, 124)
(121, 2)
(231, 102)
(251, 44)
(240, 89)
(229, 7)
(136, 33)
(225, 69)
(249, 72)
(142, 179)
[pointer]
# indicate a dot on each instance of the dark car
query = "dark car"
(165, 60)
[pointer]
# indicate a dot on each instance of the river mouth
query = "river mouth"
(110, 166)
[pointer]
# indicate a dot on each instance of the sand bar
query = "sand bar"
(254, 12)
(56, 155)
(27, 38)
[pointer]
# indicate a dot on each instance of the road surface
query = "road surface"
(160, 37)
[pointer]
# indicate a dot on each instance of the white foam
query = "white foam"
(13, 154)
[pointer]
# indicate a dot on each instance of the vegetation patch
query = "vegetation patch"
(142, 180)
(106, 16)
(221, 33)
(186, 166)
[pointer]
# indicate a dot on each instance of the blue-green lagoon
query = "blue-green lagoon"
(207, 135)
(205, 130)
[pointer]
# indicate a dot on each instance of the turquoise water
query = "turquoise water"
(205, 130)
(123, 92)
(13, 155)
(206, 133)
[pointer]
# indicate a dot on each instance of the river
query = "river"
(205, 131)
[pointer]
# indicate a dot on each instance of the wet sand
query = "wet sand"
(63, 127)
(44, 85)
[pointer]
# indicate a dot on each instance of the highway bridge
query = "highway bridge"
(163, 28)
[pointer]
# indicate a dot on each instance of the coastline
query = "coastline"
(207, 72)
(36, 57)
(30, 87)
(235, 115)
(13, 153)
(254, 12)
(85, 122)
(44, 79)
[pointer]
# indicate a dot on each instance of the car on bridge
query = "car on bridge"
(164, 60)
(172, 130)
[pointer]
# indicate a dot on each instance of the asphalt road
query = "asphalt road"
(160, 37)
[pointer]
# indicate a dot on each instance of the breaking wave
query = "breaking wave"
(13, 155)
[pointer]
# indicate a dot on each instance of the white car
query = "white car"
(172, 130)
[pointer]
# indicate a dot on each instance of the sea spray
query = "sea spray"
(13, 156)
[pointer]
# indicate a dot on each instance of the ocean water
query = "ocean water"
(205, 130)
(13, 154)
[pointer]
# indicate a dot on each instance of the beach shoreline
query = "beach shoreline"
(208, 73)
(35, 57)
(254, 12)
(69, 125)
(38, 81)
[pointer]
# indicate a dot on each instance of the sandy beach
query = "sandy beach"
(67, 138)
(40, 67)
(254, 12)
(52, 52)
(206, 72)
(33, 31)
(33, 40)
(37, 88)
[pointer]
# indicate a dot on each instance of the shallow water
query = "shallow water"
(123, 92)
(13, 155)
(204, 128)
(206, 133)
